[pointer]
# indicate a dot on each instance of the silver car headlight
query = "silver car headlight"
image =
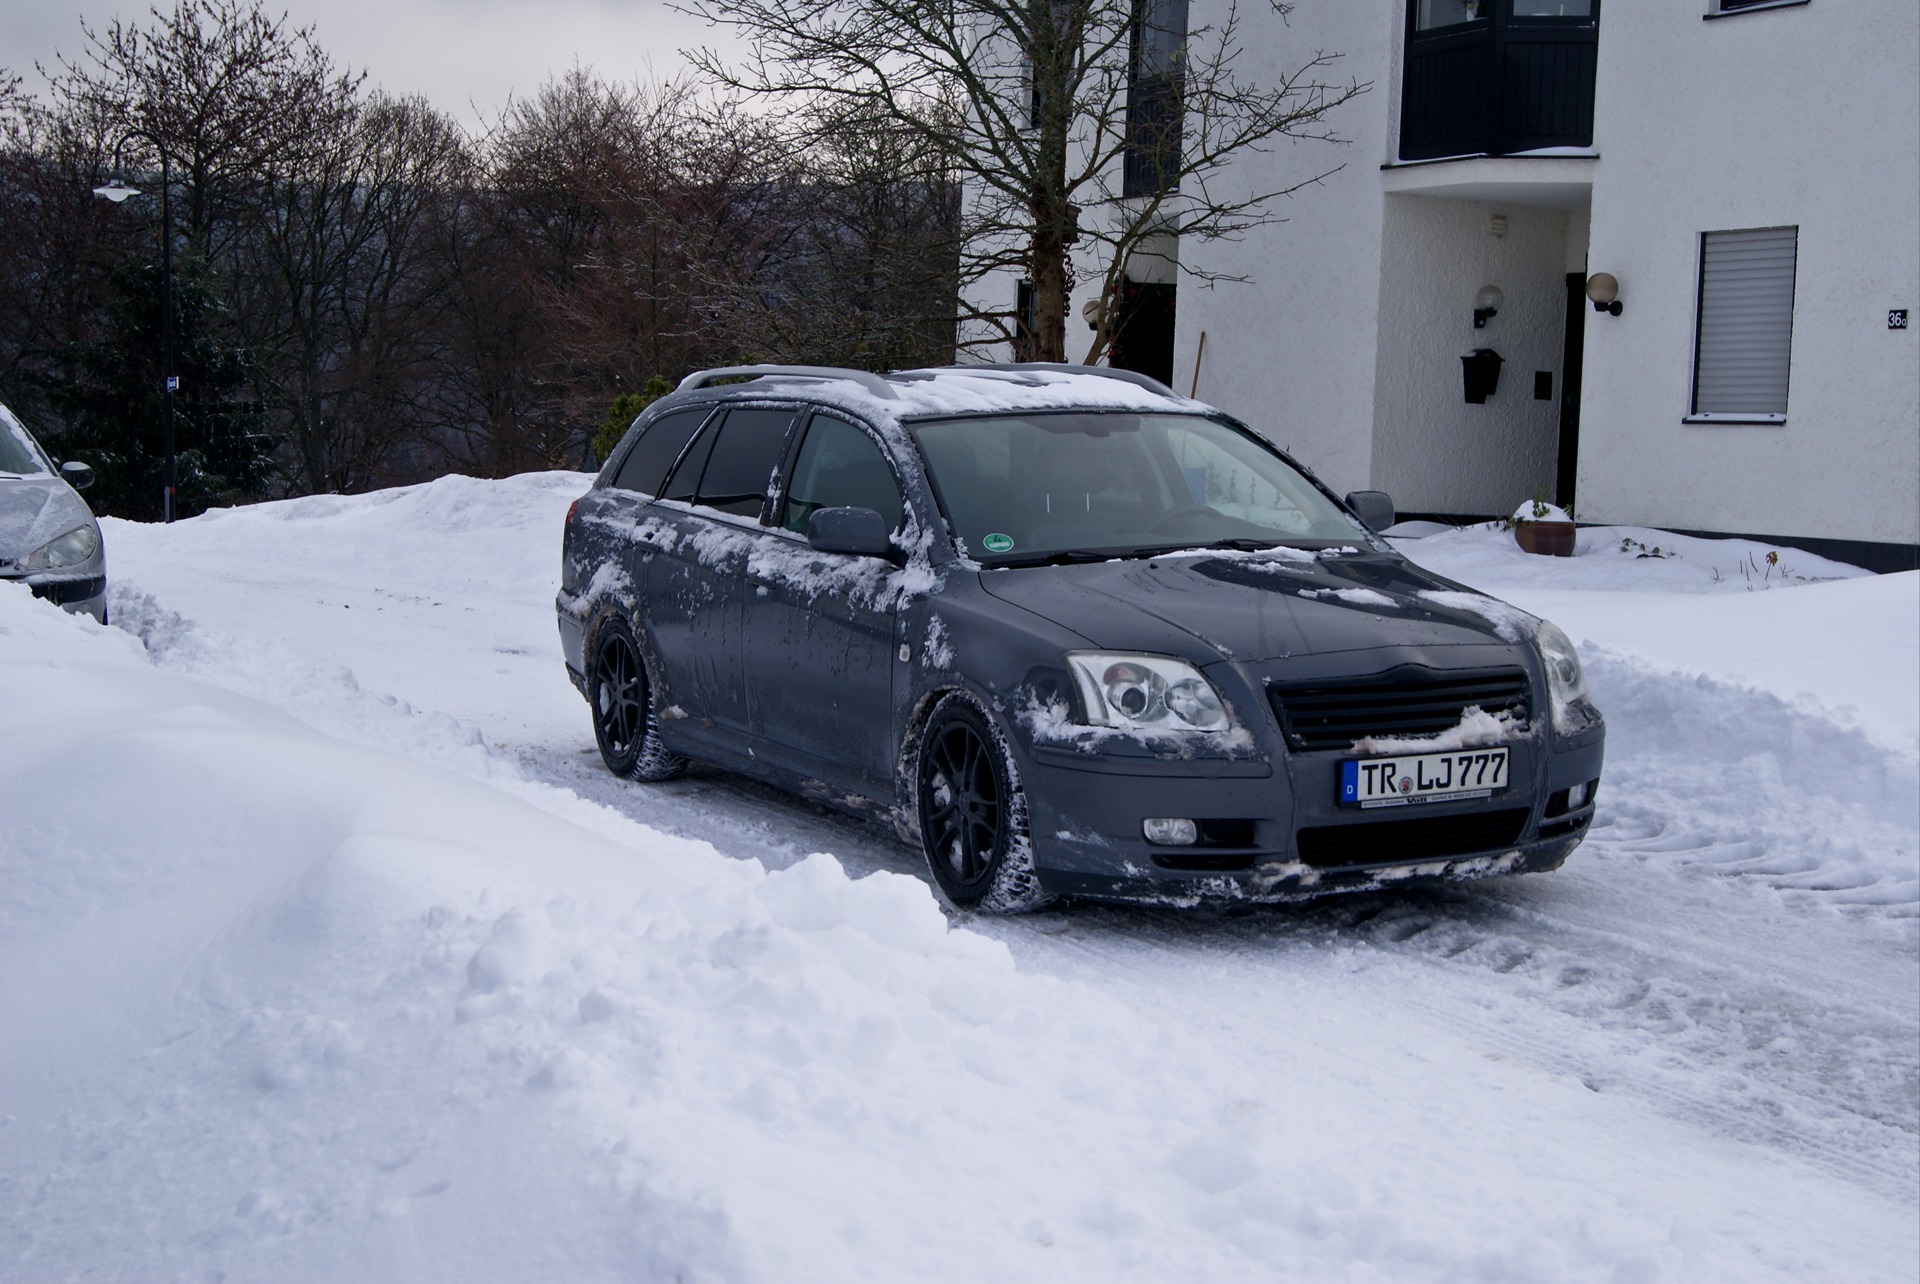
(1146, 692)
(70, 549)
(1566, 682)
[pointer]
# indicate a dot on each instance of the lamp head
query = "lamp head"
(1604, 289)
(117, 188)
(1487, 305)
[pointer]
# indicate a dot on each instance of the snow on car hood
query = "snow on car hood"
(1260, 606)
(35, 509)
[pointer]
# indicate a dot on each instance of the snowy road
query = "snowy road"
(1694, 1053)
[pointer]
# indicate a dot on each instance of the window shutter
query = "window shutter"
(1746, 322)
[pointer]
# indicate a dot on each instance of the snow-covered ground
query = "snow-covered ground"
(329, 952)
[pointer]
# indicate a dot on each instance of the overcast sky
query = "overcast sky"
(466, 56)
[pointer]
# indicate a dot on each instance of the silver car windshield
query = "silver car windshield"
(19, 456)
(1064, 487)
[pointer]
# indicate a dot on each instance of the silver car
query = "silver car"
(48, 538)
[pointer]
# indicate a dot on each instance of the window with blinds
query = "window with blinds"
(1745, 334)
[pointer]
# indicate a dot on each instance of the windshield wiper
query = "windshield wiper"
(1065, 557)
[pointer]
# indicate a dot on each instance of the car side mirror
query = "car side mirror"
(1374, 508)
(849, 530)
(76, 474)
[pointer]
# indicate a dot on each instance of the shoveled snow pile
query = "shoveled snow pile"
(327, 953)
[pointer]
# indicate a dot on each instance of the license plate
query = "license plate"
(1424, 777)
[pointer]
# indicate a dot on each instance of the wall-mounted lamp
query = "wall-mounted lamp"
(1487, 305)
(1604, 289)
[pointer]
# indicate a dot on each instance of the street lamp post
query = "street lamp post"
(117, 189)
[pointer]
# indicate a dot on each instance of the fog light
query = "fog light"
(1170, 831)
(1580, 795)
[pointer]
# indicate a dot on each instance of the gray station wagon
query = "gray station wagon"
(1077, 635)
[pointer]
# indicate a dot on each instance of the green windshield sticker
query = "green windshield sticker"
(997, 543)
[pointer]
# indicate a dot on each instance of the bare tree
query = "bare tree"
(1087, 130)
(230, 91)
(334, 288)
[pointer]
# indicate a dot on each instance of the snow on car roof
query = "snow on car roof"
(962, 390)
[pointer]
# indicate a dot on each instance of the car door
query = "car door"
(820, 627)
(700, 532)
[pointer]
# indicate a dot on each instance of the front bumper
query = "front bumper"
(76, 593)
(1277, 833)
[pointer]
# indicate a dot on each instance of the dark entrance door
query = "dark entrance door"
(1144, 343)
(1568, 466)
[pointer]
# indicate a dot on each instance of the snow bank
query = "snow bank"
(1636, 558)
(1736, 781)
(283, 1007)
(383, 1003)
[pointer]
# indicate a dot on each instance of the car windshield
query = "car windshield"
(18, 454)
(1063, 487)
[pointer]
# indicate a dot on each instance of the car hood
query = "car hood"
(1254, 607)
(33, 510)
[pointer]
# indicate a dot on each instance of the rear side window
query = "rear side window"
(839, 467)
(645, 469)
(745, 452)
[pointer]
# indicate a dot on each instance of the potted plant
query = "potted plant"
(1543, 528)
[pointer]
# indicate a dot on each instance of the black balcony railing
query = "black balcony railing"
(1497, 77)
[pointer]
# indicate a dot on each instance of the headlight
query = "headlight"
(1565, 682)
(1146, 691)
(71, 549)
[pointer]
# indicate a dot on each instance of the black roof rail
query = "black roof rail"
(873, 383)
(1133, 377)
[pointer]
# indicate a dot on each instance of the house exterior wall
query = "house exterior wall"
(1291, 349)
(1806, 115)
(1341, 339)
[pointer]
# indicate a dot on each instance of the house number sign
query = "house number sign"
(1897, 319)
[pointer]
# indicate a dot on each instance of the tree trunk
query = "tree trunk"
(1047, 264)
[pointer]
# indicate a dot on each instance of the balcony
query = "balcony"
(1496, 77)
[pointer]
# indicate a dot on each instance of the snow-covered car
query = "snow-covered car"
(48, 538)
(1076, 634)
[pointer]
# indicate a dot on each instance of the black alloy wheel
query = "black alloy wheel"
(973, 815)
(623, 723)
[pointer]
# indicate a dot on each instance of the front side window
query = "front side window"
(839, 467)
(1027, 488)
(1744, 338)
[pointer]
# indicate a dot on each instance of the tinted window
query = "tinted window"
(686, 478)
(647, 463)
(840, 467)
(739, 471)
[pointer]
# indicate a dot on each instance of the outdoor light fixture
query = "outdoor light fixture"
(117, 189)
(1486, 305)
(1604, 289)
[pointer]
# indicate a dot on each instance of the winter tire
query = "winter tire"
(624, 723)
(973, 813)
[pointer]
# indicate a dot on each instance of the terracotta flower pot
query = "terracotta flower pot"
(1548, 539)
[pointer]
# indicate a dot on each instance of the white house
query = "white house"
(1746, 171)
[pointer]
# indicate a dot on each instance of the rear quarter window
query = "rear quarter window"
(645, 469)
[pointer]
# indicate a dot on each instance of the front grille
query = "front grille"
(1406, 702)
(1385, 842)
